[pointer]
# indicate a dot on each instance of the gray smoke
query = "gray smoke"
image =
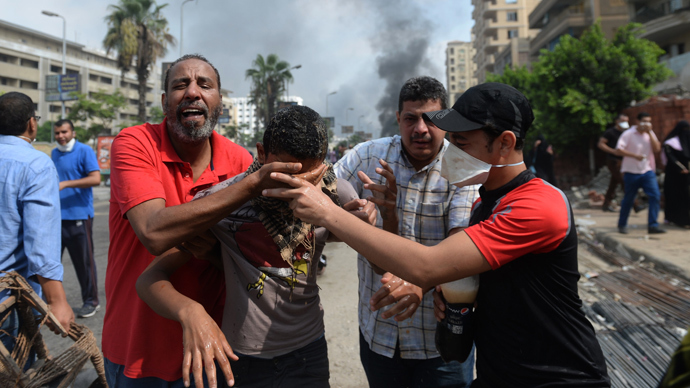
(402, 39)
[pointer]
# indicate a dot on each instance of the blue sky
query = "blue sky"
(338, 43)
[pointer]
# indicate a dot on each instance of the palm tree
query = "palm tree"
(139, 34)
(268, 79)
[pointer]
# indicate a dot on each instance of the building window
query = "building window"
(452, 51)
(462, 51)
(93, 77)
(133, 101)
(28, 85)
(452, 69)
(8, 59)
(29, 63)
(512, 16)
(107, 80)
(512, 34)
(511, 1)
(452, 87)
(452, 78)
(55, 108)
(452, 61)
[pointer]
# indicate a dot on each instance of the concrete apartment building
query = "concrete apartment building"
(555, 18)
(496, 22)
(244, 112)
(667, 23)
(28, 56)
(515, 54)
(460, 69)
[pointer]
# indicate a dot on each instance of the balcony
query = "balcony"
(665, 27)
(572, 21)
(677, 63)
(546, 9)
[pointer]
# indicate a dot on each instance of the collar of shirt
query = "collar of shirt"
(14, 140)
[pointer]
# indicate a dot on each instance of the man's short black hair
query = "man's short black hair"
(423, 89)
(297, 131)
(621, 115)
(16, 109)
(62, 122)
(642, 115)
(187, 57)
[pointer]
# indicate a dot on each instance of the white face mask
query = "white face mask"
(462, 169)
(624, 125)
(67, 147)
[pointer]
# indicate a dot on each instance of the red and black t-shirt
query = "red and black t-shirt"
(530, 328)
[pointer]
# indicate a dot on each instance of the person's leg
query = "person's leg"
(631, 182)
(79, 241)
(651, 187)
(381, 371)
(615, 180)
(305, 367)
(115, 376)
(436, 373)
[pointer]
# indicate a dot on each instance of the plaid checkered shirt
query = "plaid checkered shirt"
(428, 208)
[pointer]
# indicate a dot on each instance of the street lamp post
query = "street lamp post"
(181, 19)
(287, 84)
(359, 122)
(329, 94)
(64, 59)
(346, 111)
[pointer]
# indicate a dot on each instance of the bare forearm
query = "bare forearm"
(93, 179)
(52, 290)
(160, 228)
(156, 290)
(388, 251)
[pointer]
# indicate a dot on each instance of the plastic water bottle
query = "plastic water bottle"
(454, 334)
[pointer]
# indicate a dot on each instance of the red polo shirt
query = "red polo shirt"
(144, 166)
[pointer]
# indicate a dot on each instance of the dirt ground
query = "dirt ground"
(339, 299)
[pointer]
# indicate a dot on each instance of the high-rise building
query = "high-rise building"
(666, 24)
(556, 18)
(245, 111)
(495, 23)
(28, 56)
(460, 69)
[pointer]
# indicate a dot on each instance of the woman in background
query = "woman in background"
(676, 184)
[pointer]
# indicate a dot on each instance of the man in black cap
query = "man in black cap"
(530, 330)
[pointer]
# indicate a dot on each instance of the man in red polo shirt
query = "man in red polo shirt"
(156, 170)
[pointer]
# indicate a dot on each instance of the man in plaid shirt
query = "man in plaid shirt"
(422, 206)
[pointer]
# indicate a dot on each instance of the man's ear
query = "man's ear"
(260, 153)
(163, 102)
(507, 142)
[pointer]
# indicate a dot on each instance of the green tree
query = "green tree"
(577, 89)
(157, 114)
(99, 108)
(268, 77)
(139, 33)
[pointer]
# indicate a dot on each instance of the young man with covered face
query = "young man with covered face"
(156, 169)
(530, 330)
(273, 319)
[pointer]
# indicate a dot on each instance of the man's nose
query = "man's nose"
(421, 127)
(193, 91)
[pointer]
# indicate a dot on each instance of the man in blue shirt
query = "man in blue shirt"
(30, 208)
(78, 170)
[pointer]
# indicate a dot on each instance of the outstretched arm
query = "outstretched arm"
(203, 340)
(454, 258)
(92, 179)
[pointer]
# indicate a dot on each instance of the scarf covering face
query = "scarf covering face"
(289, 232)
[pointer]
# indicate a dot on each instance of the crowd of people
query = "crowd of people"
(216, 252)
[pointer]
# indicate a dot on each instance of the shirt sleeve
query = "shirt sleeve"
(134, 176)
(533, 222)
(622, 141)
(346, 168)
(42, 224)
(90, 161)
(461, 206)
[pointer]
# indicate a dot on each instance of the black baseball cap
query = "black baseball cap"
(491, 103)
